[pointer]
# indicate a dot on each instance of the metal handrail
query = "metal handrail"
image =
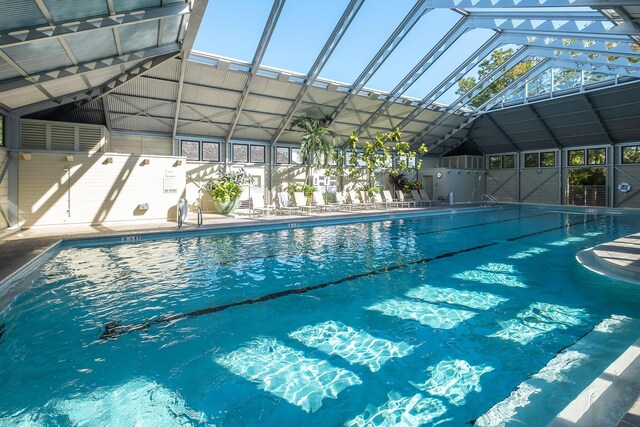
(488, 200)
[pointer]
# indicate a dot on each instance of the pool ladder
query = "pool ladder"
(488, 200)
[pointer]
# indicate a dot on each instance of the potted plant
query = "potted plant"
(225, 190)
(306, 189)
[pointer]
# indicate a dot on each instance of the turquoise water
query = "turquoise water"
(482, 316)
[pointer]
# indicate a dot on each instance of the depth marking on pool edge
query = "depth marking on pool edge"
(113, 330)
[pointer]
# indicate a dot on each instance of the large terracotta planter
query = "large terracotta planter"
(225, 208)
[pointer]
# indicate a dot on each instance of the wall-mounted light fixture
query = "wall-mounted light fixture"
(69, 157)
(25, 156)
(178, 163)
(108, 160)
(145, 162)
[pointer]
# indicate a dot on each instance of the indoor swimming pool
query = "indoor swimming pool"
(481, 317)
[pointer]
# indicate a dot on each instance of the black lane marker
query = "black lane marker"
(113, 330)
(512, 239)
(341, 246)
(3, 329)
(529, 376)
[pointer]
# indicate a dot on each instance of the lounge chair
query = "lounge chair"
(301, 203)
(425, 196)
(318, 199)
(341, 203)
(386, 194)
(379, 203)
(257, 206)
(366, 200)
(418, 199)
(401, 199)
(355, 201)
(283, 205)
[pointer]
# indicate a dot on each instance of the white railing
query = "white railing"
(488, 200)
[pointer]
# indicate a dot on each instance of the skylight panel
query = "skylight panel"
(371, 28)
(232, 28)
(424, 36)
(452, 58)
(301, 33)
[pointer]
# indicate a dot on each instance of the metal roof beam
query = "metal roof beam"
(545, 64)
(582, 44)
(269, 28)
(455, 76)
(583, 57)
(329, 47)
(414, 15)
(501, 132)
(86, 67)
(193, 25)
(598, 119)
(28, 35)
(86, 96)
(498, 4)
(425, 63)
(570, 27)
(545, 127)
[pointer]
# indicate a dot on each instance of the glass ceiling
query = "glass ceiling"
(233, 28)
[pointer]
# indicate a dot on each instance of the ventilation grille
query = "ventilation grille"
(62, 138)
(90, 139)
(33, 136)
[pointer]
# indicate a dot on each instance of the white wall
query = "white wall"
(98, 191)
(468, 185)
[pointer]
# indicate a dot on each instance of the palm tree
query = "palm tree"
(317, 146)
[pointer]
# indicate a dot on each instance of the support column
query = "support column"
(12, 142)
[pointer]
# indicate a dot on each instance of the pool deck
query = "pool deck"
(619, 259)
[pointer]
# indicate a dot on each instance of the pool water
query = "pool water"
(482, 317)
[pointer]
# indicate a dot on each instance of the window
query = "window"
(295, 156)
(531, 160)
(575, 157)
(548, 159)
(495, 162)
(258, 154)
(191, 150)
(631, 154)
(211, 151)
(508, 161)
(240, 153)
(596, 156)
(282, 155)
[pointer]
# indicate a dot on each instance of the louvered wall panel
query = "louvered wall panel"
(90, 139)
(33, 135)
(62, 137)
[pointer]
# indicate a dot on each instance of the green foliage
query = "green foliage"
(318, 143)
(295, 187)
(227, 186)
(365, 158)
(497, 58)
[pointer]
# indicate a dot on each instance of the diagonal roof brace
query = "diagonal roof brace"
(598, 118)
(414, 15)
(545, 127)
(498, 4)
(501, 132)
(420, 68)
(269, 28)
(329, 47)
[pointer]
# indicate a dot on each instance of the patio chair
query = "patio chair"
(257, 206)
(283, 205)
(301, 203)
(366, 200)
(342, 204)
(386, 194)
(425, 196)
(355, 201)
(379, 203)
(401, 199)
(318, 199)
(418, 199)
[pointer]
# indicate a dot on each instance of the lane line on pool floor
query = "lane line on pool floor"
(113, 330)
(342, 246)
